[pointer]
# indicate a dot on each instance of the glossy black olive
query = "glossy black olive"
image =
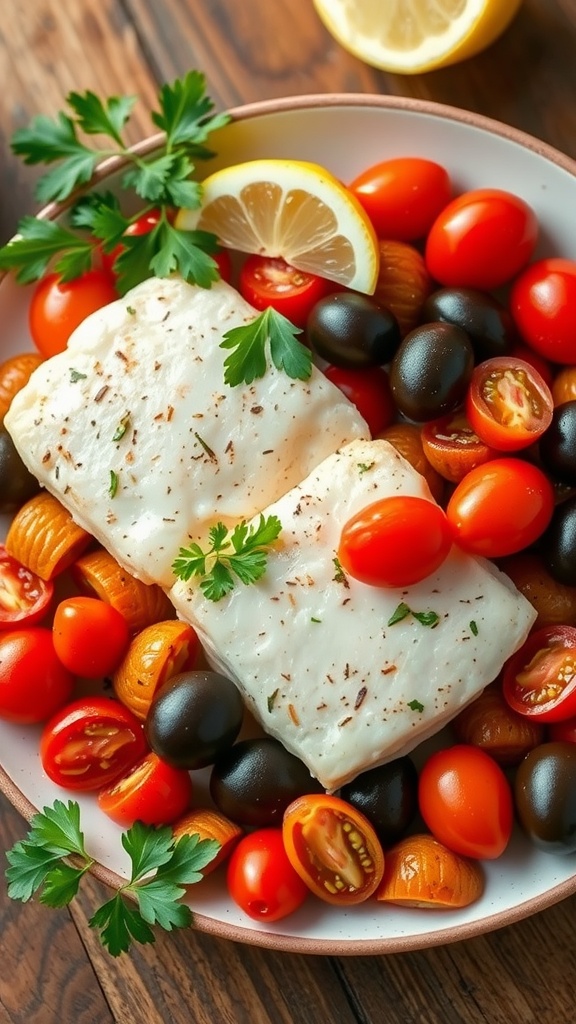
(254, 782)
(545, 793)
(558, 543)
(193, 717)
(486, 321)
(352, 331)
(388, 796)
(17, 485)
(431, 371)
(558, 444)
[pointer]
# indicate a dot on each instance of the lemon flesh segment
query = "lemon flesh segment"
(293, 209)
(410, 36)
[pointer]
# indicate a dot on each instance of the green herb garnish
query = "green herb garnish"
(161, 867)
(248, 359)
(473, 628)
(240, 552)
(121, 428)
(403, 610)
(75, 375)
(162, 180)
(415, 705)
(113, 485)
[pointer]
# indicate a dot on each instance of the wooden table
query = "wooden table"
(51, 966)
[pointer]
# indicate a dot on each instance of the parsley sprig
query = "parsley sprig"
(162, 180)
(249, 344)
(239, 553)
(161, 867)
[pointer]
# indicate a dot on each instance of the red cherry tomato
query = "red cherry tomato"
(333, 847)
(539, 680)
(58, 307)
(403, 196)
(90, 742)
(152, 792)
(90, 636)
(501, 507)
(542, 302)
(528, 355)
(395, 542)
(452, 447)
(270, 281)
(224, 262)
(369, 391)
(25, 598)
(33, 682)
(562, 732)
(261, 879)
(466, 801)
(508, 403)
(482, 239)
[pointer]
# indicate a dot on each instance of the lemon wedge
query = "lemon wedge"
(293, 209)
(411, 36)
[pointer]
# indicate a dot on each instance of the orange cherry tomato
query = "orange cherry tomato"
(57, 307)
(453, 448)
(509, 405)
(90, 636)
(152, 792)
(333, 847)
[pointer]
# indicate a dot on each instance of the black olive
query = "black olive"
(388, 796)
(193, 717)
(431, 371)
(254, 782)
(17, 485)
(352, 331)
(558, 444)
(558, 543)
(488, 323)
(545, 793)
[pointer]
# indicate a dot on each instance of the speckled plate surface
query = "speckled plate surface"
(345, 133)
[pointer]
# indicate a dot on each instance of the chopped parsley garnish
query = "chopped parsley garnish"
(162, 180)
(415, 705)
(240, 553)
(364, 467)
(161, 868)
(428, 618)
(272, 700)
(474, 628)
(249, 345)
(121, 428)
(339, 574)
(113, 485)
(75, 375)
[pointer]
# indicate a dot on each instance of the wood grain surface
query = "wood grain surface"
(52, 969)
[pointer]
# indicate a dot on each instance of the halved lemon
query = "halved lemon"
(411, 36)
(293, 209)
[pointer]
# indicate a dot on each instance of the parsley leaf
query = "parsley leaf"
(238, 553)
(415, 705)
(428, 618)
(37, 243)
(248, 361)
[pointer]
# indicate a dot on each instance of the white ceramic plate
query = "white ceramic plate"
(347, 134)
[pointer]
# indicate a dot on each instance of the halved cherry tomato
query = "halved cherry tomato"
(481, 239)
(466, 801)
(542, 303)
(33, 681)
(501, 507)
(152, 792)
(403, 196)
(269, 281)
(395, 542)
(333, 847)
(90, 742)
(261, 879)
(452, 447)
(369, 391)
(90, 636)
(509, 405)
(539, 681)
(57, 307)
(25, 598)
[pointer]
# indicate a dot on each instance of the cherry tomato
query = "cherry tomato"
(58, 307)
(261, 879)
(466, 801)
(508, 404)
(333, 847)
(395, 542)
(539, 680)
(528, 355)
(452, 447)
(224, 262)
(90, 636)
(482, 239)
(500, 507)
(403, 196)
(369, 391)
(269, 281)
(564, 386)
(562, 732)
(90, 742)
(152, 792)
(542, 303)
(25, 598)
(33, 681)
